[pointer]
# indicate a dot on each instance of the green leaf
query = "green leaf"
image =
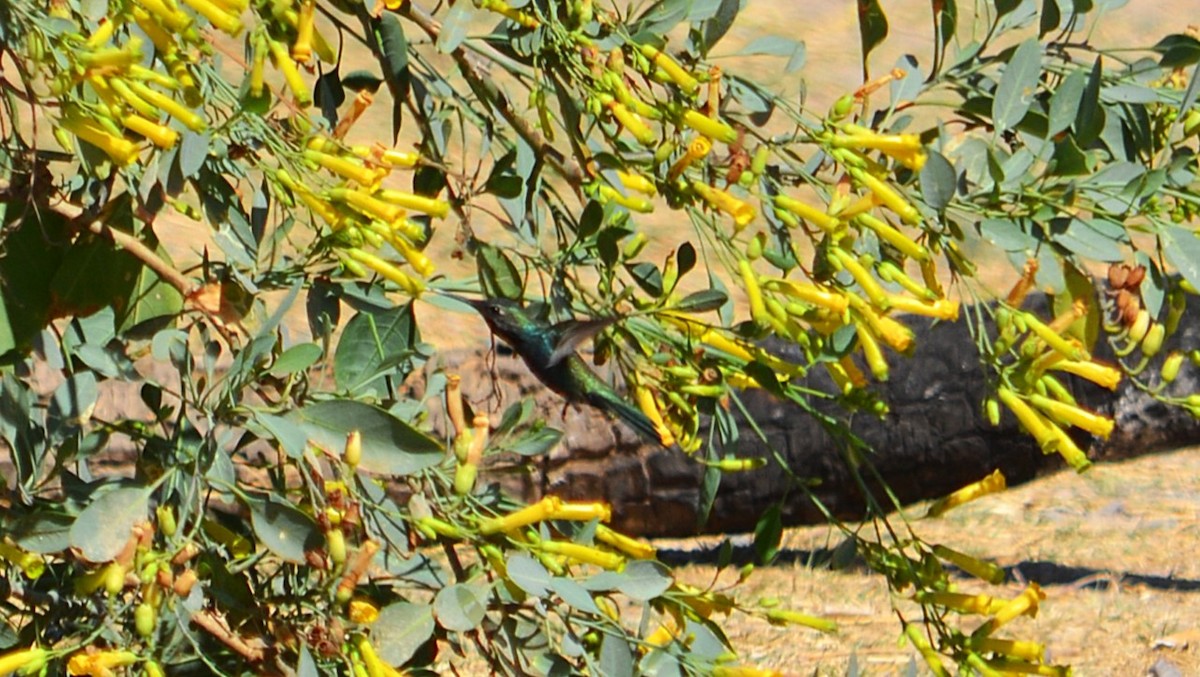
(296, 359)
(715, 28)
(1064, 103)
(456, 26)
(1090, 120)
(768, 533)
(794, 51)
(373, 345)
(365, 81)
(590, 220)
(938, 181)
(534, 443)
(1018, 85)
(685, 258)
(285, 531)
(390, 446)
(659, 19)
(528, 574)
(401, 630)
(1182, 249)
(1178, 50)
(291, 437)
(702, 301)
(643, 580)
(648, 277)
(43, 532)
(616, 660)
(1051, 17)
(574, 595)
(104, 527)
(1083, 239)
(71, 404)
(497, 274)
(460, 607)
(872, 27)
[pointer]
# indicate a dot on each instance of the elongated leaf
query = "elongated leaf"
(1018, 85)
(390, 446)
(616, 660)
(775, 45)
(401, 630)
(872, 28)
(1090, 120)
(1051, 17)
(702, 301)
(1183, 251)
(373, 345)
(104, 527)
(528, 574)
(1064, 103)
(497, 274)
(535, 443)
(767, 535)
(460, 607)
(938, 181)
(1178, 50)
(284, 530)
(644, 580)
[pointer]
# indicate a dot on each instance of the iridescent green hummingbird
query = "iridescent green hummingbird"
(549, 350)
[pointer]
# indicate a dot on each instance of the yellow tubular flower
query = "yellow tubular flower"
(532, 514)
(870, 286)
(166, 104)
(981, 604)
(1025, 604)
(163, 41)
(283, 61)
(742, 212)
(407, 284)
(347, 169)
(302, 48)
(991, 484)
(785, 617)
(835, 302)
(713, 129)
(758, 310)
(1100, 374)
(1012, 666)
(521, 18)
(1024, 650)
(31, 564)
(224, 21)
(887, 196)
(872, 353)
(1069, 349)
(905, 148)
(118, 87)
(171, 17)
(807, 212)
(674, 71)
(942, 309)
(397, 158)
(607, 193)
(743, 671)
(417, 203)
(1030, 420)
(893, 237)
(637, 182)
(630, 121)
(416, 258)
(984, 571)
(163, 137)
(894, 334)
(917, 638)
(258, 63)
(100, 663)
(645, 401)
(375, 666)
(362, 611)
(630, 546)
(367, 205)
(697, 150)
(1073, 415)
(122, 151)
(582, 512)
(584, 553)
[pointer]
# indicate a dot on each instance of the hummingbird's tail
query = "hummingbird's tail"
(631, 415)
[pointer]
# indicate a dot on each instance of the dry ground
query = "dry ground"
(1117, 550)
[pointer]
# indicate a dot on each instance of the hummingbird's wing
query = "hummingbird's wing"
(571, 334)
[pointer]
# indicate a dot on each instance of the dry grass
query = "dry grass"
(1114, 549)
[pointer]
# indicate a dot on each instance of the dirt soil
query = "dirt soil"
(1116, 550)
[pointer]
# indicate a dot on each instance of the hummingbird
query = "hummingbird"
(549, 351)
